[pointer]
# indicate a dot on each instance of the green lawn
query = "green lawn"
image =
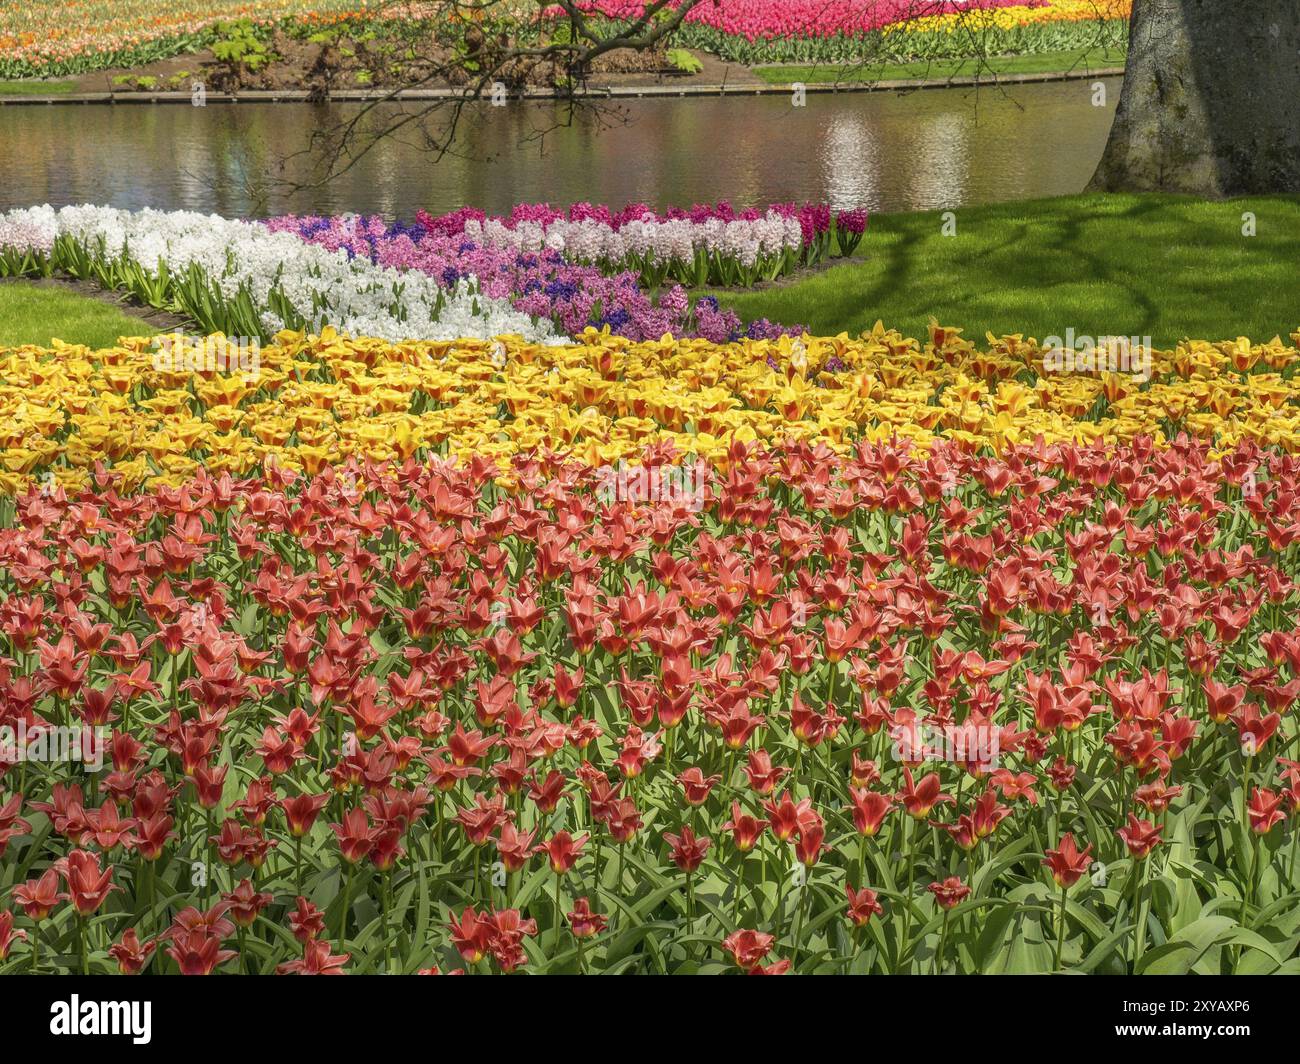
(36, 88)
(1084, 59)
(1160, 266)
(31, 314)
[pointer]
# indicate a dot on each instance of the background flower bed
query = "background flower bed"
(783, 19)
(50, 37)
(891, 31)
(47, 38)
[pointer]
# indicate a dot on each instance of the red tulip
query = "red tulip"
(950, 893)
(748, 948)
(696, 785)
(509, 928)
(514, 846)
(245, 903)
(130, 953)
(8, 936)
(869, 809)
(306, 921)
(686, 850)
(745, 830)
(1067, 863)
(1264, 810)
(316, 960)
(472, 935)
(809, 846)
(862, 905)
(88, 884)
(39, 896)
(920, 798)
(562, 851)
(763, 775)
(198, 952)
(583, 922)
(1140, 836)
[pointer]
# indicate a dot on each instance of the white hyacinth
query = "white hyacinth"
(664, 239)
(360, 296)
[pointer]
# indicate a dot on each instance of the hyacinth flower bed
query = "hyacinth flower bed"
(591, 266)
(839, 31)
(424, 281)
(891, 711)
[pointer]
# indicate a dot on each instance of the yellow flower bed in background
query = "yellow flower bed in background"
(1005, 18)
(316, 400)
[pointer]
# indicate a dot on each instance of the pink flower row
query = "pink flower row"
(768, 19)
(707, 244)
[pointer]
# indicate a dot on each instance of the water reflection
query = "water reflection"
(883, 151)
(851, 159)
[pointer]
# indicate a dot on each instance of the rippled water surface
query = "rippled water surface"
(885, 151)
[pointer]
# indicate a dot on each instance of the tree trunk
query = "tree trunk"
(1211, 100)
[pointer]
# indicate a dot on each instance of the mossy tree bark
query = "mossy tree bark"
(1211, 100)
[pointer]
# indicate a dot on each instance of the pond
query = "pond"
(886, 151)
